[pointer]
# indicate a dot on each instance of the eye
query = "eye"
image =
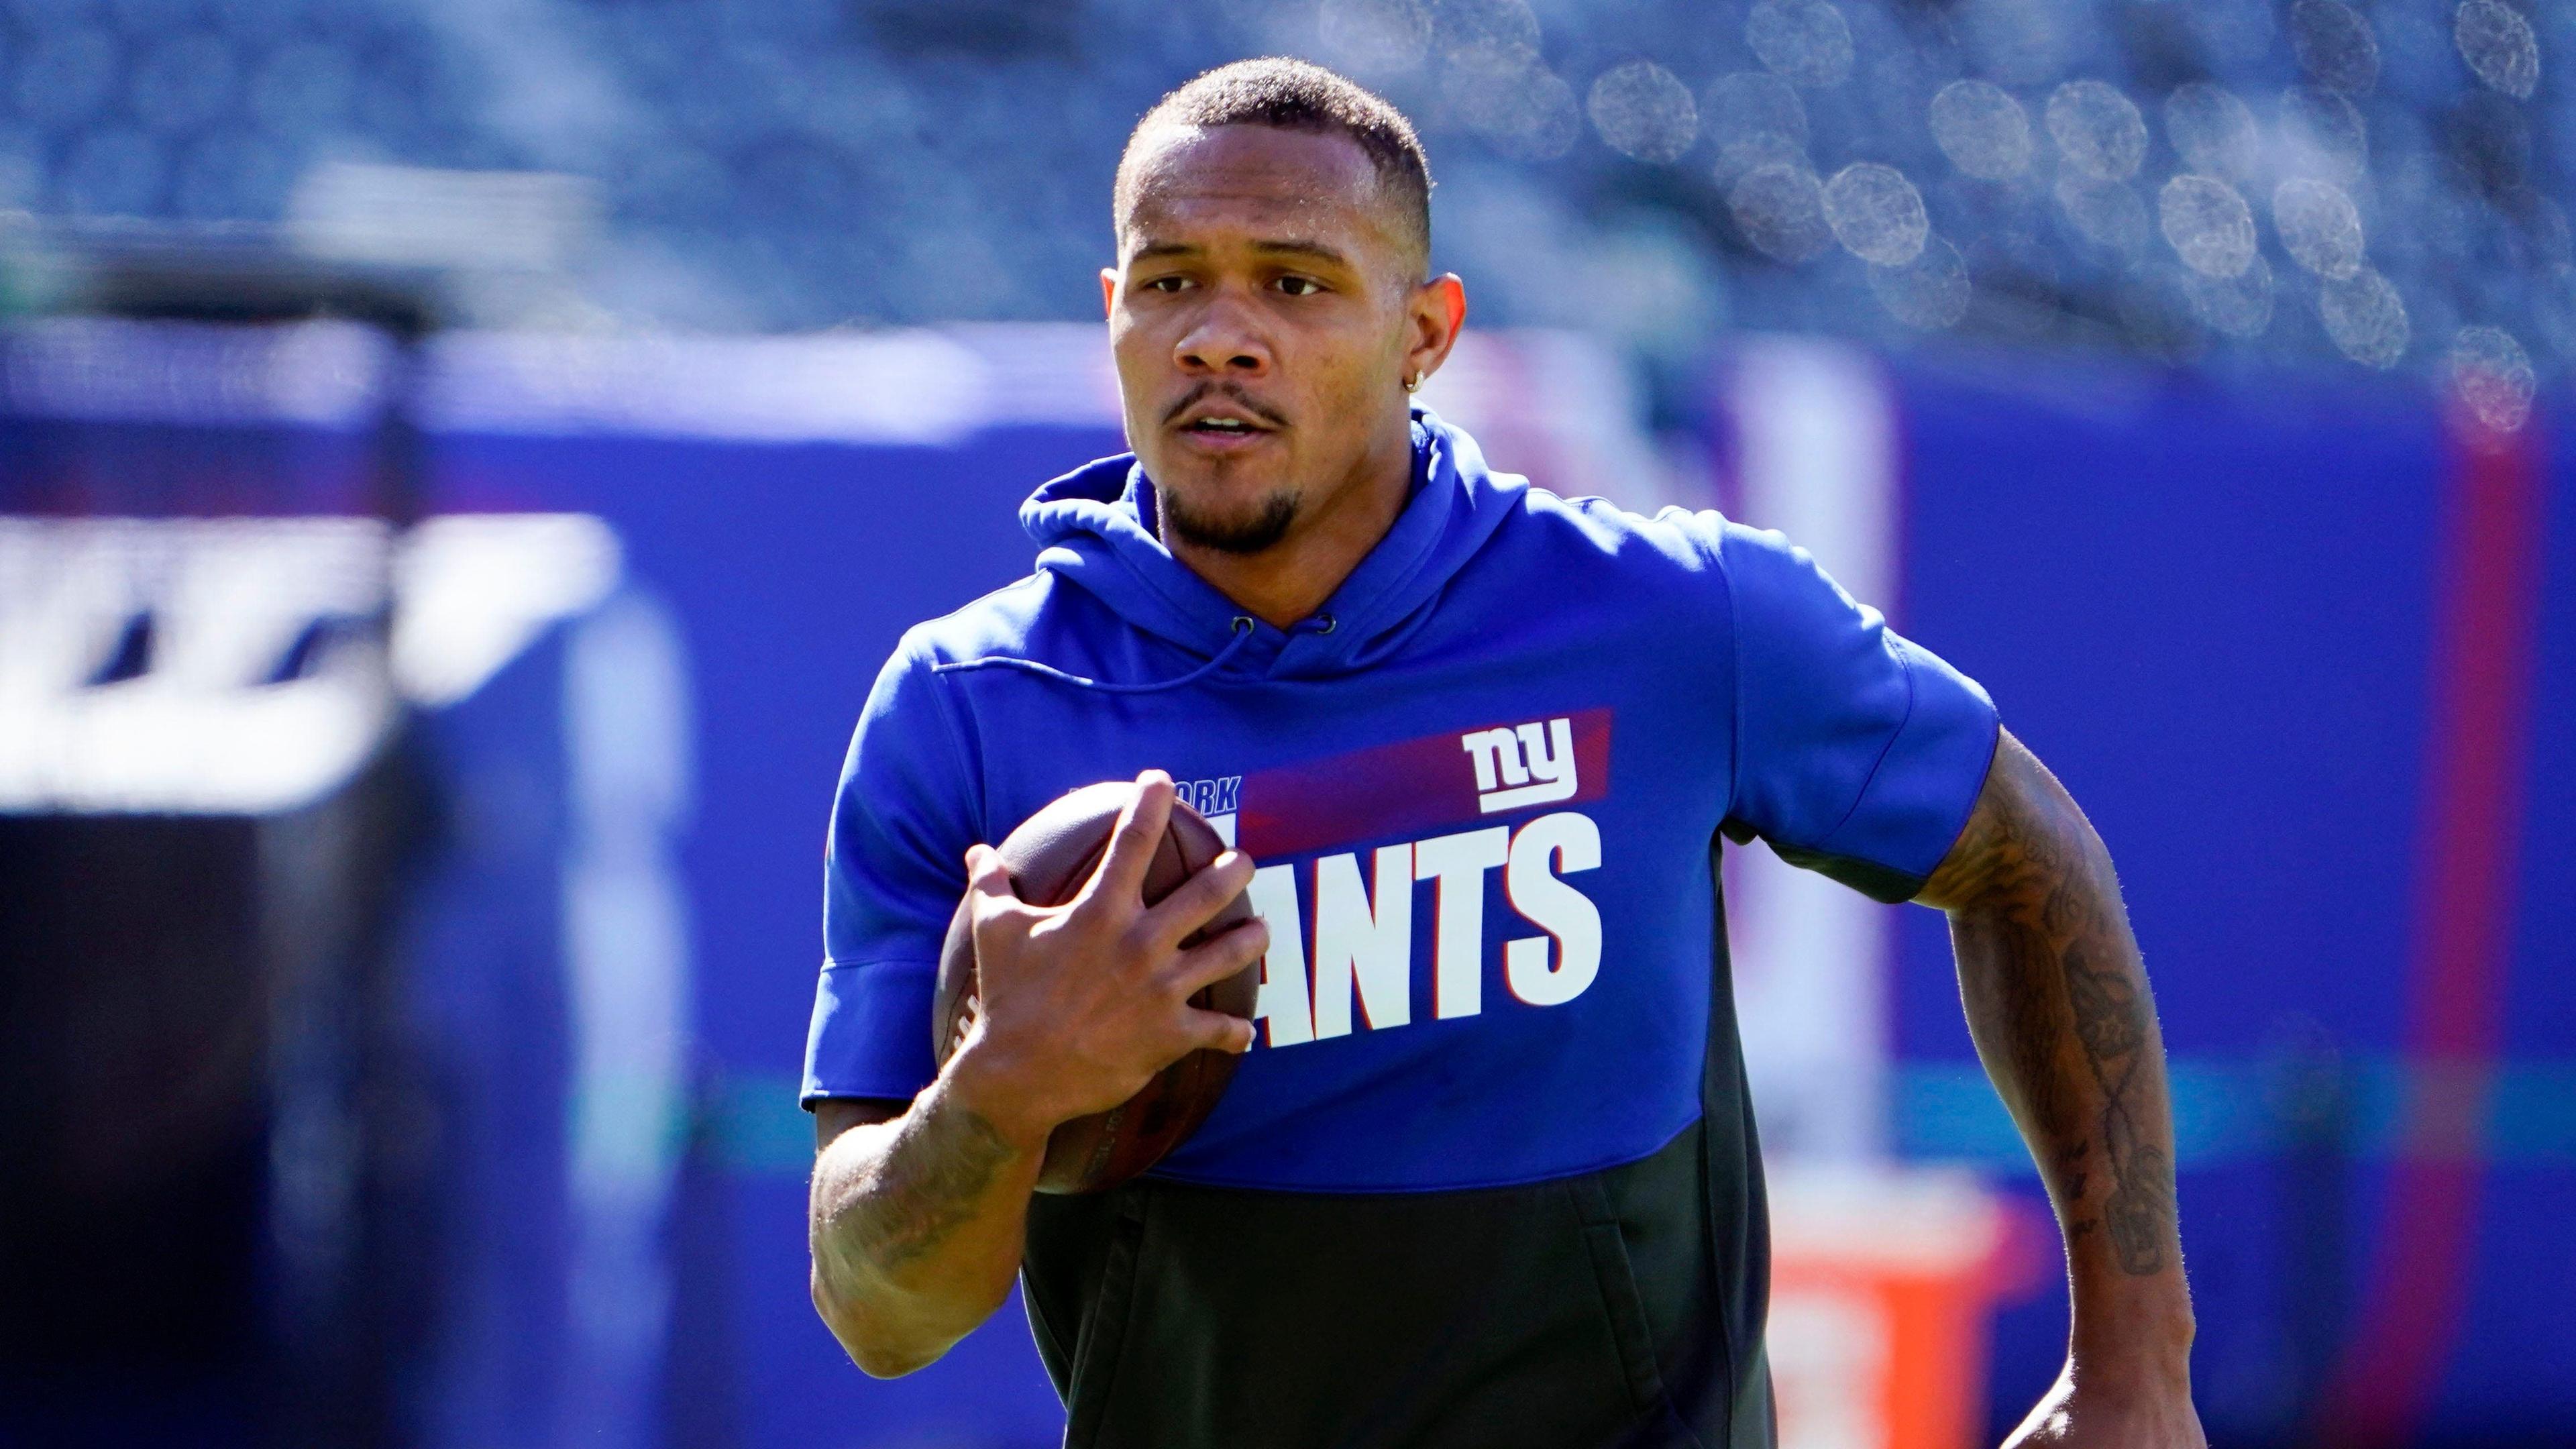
(1166, 284)
(1296, 286)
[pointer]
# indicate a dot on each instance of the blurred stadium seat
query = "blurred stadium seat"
(2199, 177)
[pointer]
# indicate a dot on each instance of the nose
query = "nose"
(1223, 342)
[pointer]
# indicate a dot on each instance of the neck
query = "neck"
(1292, 578)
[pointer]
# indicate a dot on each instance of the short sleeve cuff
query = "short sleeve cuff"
(1918, 799)
(871, 1031)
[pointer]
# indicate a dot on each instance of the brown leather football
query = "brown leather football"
(1051, 857)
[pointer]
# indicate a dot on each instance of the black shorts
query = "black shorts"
(1621, 1307)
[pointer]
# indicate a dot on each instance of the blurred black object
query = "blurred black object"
(214, 1152)
(134, 1027)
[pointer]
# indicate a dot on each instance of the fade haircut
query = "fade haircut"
(1295, 95)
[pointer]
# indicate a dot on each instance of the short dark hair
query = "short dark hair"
(1296, 95)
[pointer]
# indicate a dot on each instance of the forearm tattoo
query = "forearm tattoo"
(930, 1182)
(2113, 1021)
(2046, 963)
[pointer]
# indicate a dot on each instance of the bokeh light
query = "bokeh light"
(2366, 318)
(1876, 213)
(2097, 129)
(2492, 375)
(1806, 42)
(1982, 129)
(2319, 227)
(2499, 46)
(1644, 111)
(1780, 208)
(2208, 225)
(1931, 292)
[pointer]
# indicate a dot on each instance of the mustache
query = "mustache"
(1231, 390)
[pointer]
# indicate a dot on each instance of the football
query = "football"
(1051, 856)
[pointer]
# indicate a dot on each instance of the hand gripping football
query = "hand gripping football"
(1051, 857)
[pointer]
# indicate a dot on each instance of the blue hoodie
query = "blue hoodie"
(1483, 783)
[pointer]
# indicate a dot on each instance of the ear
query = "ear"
(1437, 312)
(1108, 290)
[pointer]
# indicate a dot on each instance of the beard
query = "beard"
(1249, 533)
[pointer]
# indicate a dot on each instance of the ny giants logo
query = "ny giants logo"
(1535, 761)
(1355, 967)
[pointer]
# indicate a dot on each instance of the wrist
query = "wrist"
(978, 1081)
(2130, 1371)
(2141, 1341)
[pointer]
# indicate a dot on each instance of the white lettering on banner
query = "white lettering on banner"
(1357, 944)
(1282, 999)
(1531, 764)
(1566, 914)
(1459, 863)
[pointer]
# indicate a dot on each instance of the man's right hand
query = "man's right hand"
(1080, 1005)
(919, 1216)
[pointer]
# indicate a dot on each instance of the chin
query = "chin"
(1238, 520)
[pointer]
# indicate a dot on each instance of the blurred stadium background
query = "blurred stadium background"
(463, 463)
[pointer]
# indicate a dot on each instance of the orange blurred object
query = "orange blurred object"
(1883, 1285)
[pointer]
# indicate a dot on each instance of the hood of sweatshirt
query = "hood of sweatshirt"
(1096, 530)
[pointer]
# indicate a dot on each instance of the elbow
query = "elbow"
(880, 1364)
(880, 1351)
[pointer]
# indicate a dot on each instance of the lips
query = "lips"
(1225, 417)
(1222, 409)
(1222, 437)
(1218, 427)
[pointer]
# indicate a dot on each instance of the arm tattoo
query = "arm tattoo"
(2112, 1020)
(927, 1187)
(2043, 950)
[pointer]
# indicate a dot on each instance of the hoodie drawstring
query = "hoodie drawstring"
(1242, 633)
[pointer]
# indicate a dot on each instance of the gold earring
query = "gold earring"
(1411, 383)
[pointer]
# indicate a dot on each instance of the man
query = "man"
(1490, 1177)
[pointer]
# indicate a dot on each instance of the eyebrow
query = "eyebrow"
(1315, 250)
(1283, 247)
